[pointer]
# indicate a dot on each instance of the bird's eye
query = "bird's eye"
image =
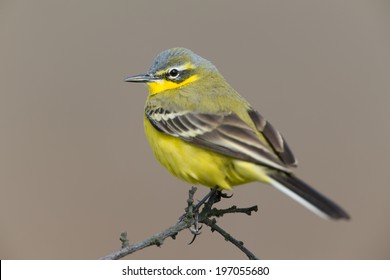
(173, 73)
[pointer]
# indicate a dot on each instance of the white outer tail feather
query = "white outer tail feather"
(298, 198)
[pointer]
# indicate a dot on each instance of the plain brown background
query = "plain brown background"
(76, 169)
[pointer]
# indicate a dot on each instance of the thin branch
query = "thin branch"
(186, 221)
(208, 212)
(239, 244)
(220, 212)
(156, 239)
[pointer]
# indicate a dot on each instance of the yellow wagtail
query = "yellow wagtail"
(205, 133)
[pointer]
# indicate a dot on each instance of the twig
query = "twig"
(208, 212)
(220, 212)
(185, 222)
(158, 238)
(124, 240)
(239, 244)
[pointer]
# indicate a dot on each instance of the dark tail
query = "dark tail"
(308, 197)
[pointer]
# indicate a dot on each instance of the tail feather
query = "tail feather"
(307, 196)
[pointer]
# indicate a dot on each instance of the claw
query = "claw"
(225, 195)
(196, 230)
(194, 237)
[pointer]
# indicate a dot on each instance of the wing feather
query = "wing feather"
(225, 134)
(274, 138)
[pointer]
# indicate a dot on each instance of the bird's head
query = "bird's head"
(174, 68)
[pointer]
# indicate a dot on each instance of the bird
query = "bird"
(205, 133)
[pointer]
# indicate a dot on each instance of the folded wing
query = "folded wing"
(225, 134)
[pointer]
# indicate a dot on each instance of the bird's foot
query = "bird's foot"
(196, 229)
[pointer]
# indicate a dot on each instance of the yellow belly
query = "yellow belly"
(196, 165)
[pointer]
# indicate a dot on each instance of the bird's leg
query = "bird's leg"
(205, 198)
(208, 200)
(219, 195)
(195, 210)
(215, 196)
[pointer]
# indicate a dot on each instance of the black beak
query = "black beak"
(142, 78)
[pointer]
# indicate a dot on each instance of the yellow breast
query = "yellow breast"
(191, 163)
